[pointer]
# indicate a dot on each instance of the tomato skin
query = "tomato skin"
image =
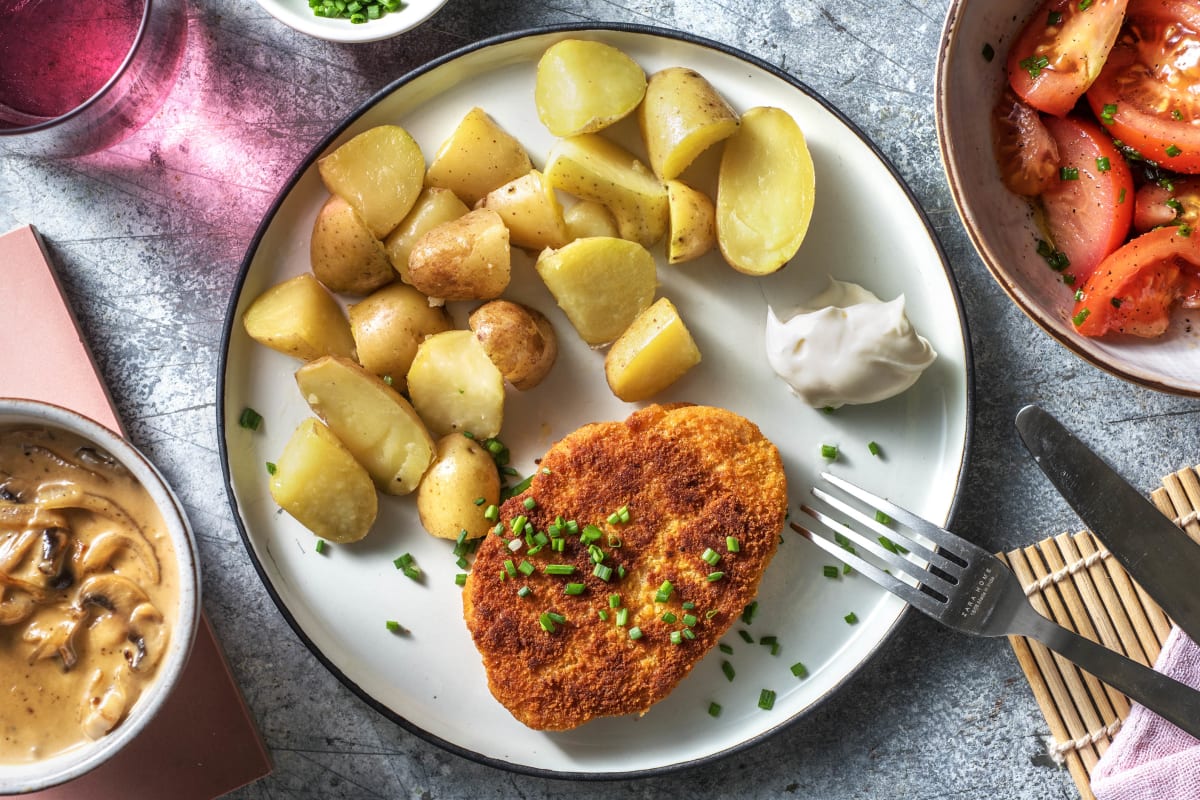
(1088, 217)
(1134, 289)
(1151, 84)
(1176, 202)
(1074, 50)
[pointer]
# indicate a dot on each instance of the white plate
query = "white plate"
(866, 228)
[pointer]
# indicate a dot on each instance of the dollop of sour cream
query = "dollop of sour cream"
(846, 346)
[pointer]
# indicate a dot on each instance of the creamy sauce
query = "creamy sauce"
(846, 346)
(88, 592)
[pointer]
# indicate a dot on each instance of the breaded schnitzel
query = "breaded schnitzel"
(666, 523)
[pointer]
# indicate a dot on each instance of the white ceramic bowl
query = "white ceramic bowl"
(1001, 225)
(21, 778)
(296, 14)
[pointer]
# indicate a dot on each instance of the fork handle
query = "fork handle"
(1175, 702)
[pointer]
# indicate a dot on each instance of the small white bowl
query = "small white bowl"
(297, 15)
(66, 766)
(1001, 225)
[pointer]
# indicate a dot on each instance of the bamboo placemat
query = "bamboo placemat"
(1072, 580)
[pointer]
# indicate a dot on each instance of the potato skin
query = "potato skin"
(468, 258)
(433, 207)
(681, 117)
(461, 473)
(345, 255)
(380, 172)
(519, 340)
(388, 325)
(692, 231)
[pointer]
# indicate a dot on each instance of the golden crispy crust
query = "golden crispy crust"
(690, 476)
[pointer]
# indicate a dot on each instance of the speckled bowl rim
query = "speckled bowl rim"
(231, 319)
(23, 778)
(944, 123)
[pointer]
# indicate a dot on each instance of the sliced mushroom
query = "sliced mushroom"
(15, 606)
(104, 703)
(55, 637)
(127, 601)
(105, 547)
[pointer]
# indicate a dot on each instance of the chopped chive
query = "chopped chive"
(746, 637)
(480, 501)
(669, 617)
(766, 699)
(394, 626)
(749, 611)
(687, 605)
(715, 576)
(710, 556)
(829, 571)
(573, 588)
(873, 448)
(712, 612)
(614, 601)
(1103, 164)
(510, 568)
(882, 518)
(688, 633)
(768, 640)
(320, 546)
(547, 622)
(799, 670)
(1079, 318)
(635, 633)
(732, 544)
(845, 569)
(724, 648)
(460, 579)
(529, 503)
(1054, 18)
(622, 616)
(1173, 151)
(727, 668)
(1069, 173)
(1034, 65)
(676, 637)
(664, 592)
(829, 452)
(271, 468)
(524, 591)
(559, 569)
(250, 419)
(714, 709)
(690, 620)
(491, 513)
(603, 572)
(851, 618)
(603, 615)
(525, 568)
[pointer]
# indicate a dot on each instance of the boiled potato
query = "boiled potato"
(299, 317)
(692, 231)
(519, 340)
(387, 327)
(593, 168)
(380, 172)
(345, 255)
(681, 117)
(374, 421)
(531, 212)
(455, 387)
(765, 191)
(653, 352)
(478, 157)
(589, 218)
(583, 86)
(448, 497)
(433, 207)
(601, 283)
(468, 258)
(320, 483)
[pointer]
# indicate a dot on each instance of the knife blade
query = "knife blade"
(1152, 549)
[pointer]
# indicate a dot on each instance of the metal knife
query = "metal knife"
(1152, 549)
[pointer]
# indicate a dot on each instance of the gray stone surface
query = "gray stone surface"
(149, 238)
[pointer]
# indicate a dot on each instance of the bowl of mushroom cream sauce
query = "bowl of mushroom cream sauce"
(99, 594)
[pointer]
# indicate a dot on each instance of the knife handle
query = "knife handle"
(1175, 702)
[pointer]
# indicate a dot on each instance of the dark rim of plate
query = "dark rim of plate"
(231, 316)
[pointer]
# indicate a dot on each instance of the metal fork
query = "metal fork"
(970, 590)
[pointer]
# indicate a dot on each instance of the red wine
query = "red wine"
(55, 54)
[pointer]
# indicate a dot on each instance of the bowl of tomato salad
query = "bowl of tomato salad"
(1070, 135)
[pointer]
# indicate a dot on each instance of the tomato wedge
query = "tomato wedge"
(1148, 93)
(1089, 206)
(1134, 289)
(1060, 51)
(1025, 151)
(1170, 201)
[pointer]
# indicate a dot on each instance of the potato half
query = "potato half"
(653, 352)
(583, 86)
(374, 421)
(433, 207)
(468, 258)
(593, 168)
(519, 340)
(323, 486)
(478, 157)
(765, 192)
(380, 172)
(692, 231)
(601, 284)
(681, 117)
(345, 255)
(389, 324)
(301, 318)
(448, 499)
(531, 211)
(455, 387)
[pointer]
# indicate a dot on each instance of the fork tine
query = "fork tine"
(951, 544)
(910, 594)
(894, 535)
(897, 561)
